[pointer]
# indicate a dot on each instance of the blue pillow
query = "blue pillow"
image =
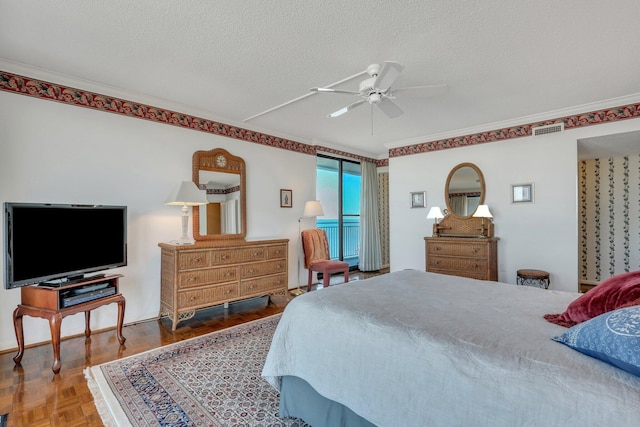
(613, 337)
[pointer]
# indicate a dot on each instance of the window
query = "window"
(338, 189)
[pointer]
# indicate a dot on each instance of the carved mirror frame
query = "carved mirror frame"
(220, 160)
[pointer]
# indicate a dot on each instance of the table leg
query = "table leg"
(55, 322)
(121, 306)
(17, 325)
(87, 323)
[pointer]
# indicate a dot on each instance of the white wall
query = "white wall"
(542, 235)
(52, 152)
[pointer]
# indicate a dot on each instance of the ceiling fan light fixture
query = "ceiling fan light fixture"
(375, 98)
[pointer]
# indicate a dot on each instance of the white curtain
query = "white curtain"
(229, 215)
(370, 257)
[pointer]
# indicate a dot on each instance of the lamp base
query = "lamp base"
(297, 292)
(182, 241)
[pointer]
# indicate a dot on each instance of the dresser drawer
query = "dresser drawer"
(470, 265)
(190, 279)
(275, 252)
(234, 256)
(263, 284)
(262, 268)
(193, 259)
(189, 300)
(466, 249)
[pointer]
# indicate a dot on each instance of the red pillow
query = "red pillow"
(609, 295)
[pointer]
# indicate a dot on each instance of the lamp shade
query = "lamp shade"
(312, 208)
(435, 213)
(187, 194)
(482, 212)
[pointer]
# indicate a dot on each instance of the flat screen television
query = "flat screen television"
(58, 243)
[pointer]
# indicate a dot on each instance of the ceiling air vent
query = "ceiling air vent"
(545, 130)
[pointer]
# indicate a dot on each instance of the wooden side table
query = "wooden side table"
(527, 277)
(49, 303)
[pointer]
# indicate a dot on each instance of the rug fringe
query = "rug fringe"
(98, 399)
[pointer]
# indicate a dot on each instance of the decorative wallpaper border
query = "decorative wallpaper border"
(72, 96)
(578, 120)
(81, 98)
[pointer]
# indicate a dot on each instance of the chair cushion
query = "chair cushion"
(326, 266)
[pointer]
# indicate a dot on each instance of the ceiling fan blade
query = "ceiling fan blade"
(389, 108)
(347, 108)
(327, 90)
(388, 75)
(428, 90)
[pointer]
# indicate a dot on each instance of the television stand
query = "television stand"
(56, 302)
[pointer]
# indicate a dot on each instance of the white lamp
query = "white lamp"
(186, 194)
(312, 208)
(483, 212)
(435, 213)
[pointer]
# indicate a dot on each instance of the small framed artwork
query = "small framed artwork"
(418, 199)
(522, 193)
(286, 198)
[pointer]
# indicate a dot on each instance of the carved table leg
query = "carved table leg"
(87, 323)
(55, 321)
(121, 306)
(17, 325)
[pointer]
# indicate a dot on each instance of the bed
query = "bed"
(412, 348)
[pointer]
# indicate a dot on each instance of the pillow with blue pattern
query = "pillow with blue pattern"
(613, 337)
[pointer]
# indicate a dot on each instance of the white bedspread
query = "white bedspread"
(421, 349)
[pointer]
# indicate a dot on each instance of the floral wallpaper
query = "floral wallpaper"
(609, 217)
(383, 216)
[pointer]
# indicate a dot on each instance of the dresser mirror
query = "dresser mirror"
(222, 175)
(464, 190)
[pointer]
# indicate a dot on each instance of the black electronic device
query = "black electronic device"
(75, 298)
(58, 242)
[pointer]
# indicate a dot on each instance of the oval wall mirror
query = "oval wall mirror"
(222, 175)
(464, 190)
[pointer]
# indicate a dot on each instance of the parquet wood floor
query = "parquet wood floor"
(33, 396)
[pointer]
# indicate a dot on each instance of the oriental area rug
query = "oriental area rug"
(212, 380)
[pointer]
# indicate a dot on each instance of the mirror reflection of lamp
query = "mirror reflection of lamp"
(186, 194)
(483, 212)
(435, 213)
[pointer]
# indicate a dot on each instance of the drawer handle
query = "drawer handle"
(227, 291)
(278, 266)
(195, 260)
(250, 271)
(475, 250)
(437, 248)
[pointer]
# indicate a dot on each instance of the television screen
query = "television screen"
(45, 242)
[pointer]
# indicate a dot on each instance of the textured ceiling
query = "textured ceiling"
(502, 60)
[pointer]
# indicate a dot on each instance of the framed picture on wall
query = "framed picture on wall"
(286, 198)
(522, 193)
(418, 199)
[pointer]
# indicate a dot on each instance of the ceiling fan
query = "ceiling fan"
(378, 90)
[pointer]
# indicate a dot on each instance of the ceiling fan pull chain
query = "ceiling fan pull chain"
(371, 119)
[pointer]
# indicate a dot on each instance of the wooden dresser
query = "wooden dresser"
(210, 273)
(472, 257)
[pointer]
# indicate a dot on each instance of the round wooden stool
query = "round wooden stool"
(539, 278)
